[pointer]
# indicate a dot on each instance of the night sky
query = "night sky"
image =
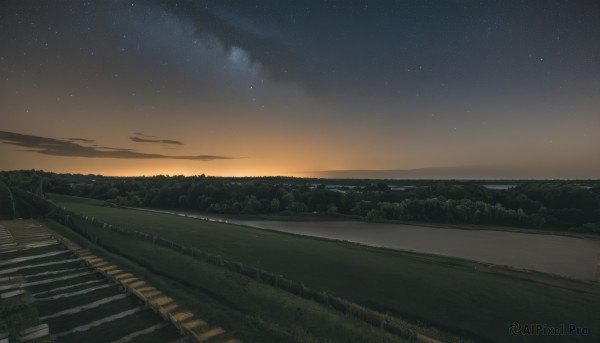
(298, 87)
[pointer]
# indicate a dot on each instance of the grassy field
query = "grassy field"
(253, 311)
(443, 292)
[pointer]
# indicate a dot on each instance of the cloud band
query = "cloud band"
(69, 148)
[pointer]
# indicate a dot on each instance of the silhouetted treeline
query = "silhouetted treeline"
(566, 205)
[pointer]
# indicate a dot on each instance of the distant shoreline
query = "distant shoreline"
(329, 218)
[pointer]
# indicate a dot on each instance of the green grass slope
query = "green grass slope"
(444, 292)
(253, 311)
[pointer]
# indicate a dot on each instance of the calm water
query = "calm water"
(572, 257)
(499, 187)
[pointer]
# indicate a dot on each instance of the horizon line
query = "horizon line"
(321, 178)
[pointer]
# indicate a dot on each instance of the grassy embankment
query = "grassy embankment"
(440, 291)
(254, 311)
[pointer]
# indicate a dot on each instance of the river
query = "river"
(572, 257)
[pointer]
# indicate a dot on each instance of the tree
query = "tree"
(374, 215)
(275, 205)
(112, 193)
(297, 207)
(252, 205)
(331, 208)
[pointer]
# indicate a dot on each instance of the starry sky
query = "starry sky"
(302, 88)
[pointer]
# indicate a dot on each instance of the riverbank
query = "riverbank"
(570, 256)
(457, 295)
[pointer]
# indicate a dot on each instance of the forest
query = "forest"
(566, 205)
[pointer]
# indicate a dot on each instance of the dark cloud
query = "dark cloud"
(56, 147)
(163, 141)
(83, 140)
(144, 135)
(115, 149)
